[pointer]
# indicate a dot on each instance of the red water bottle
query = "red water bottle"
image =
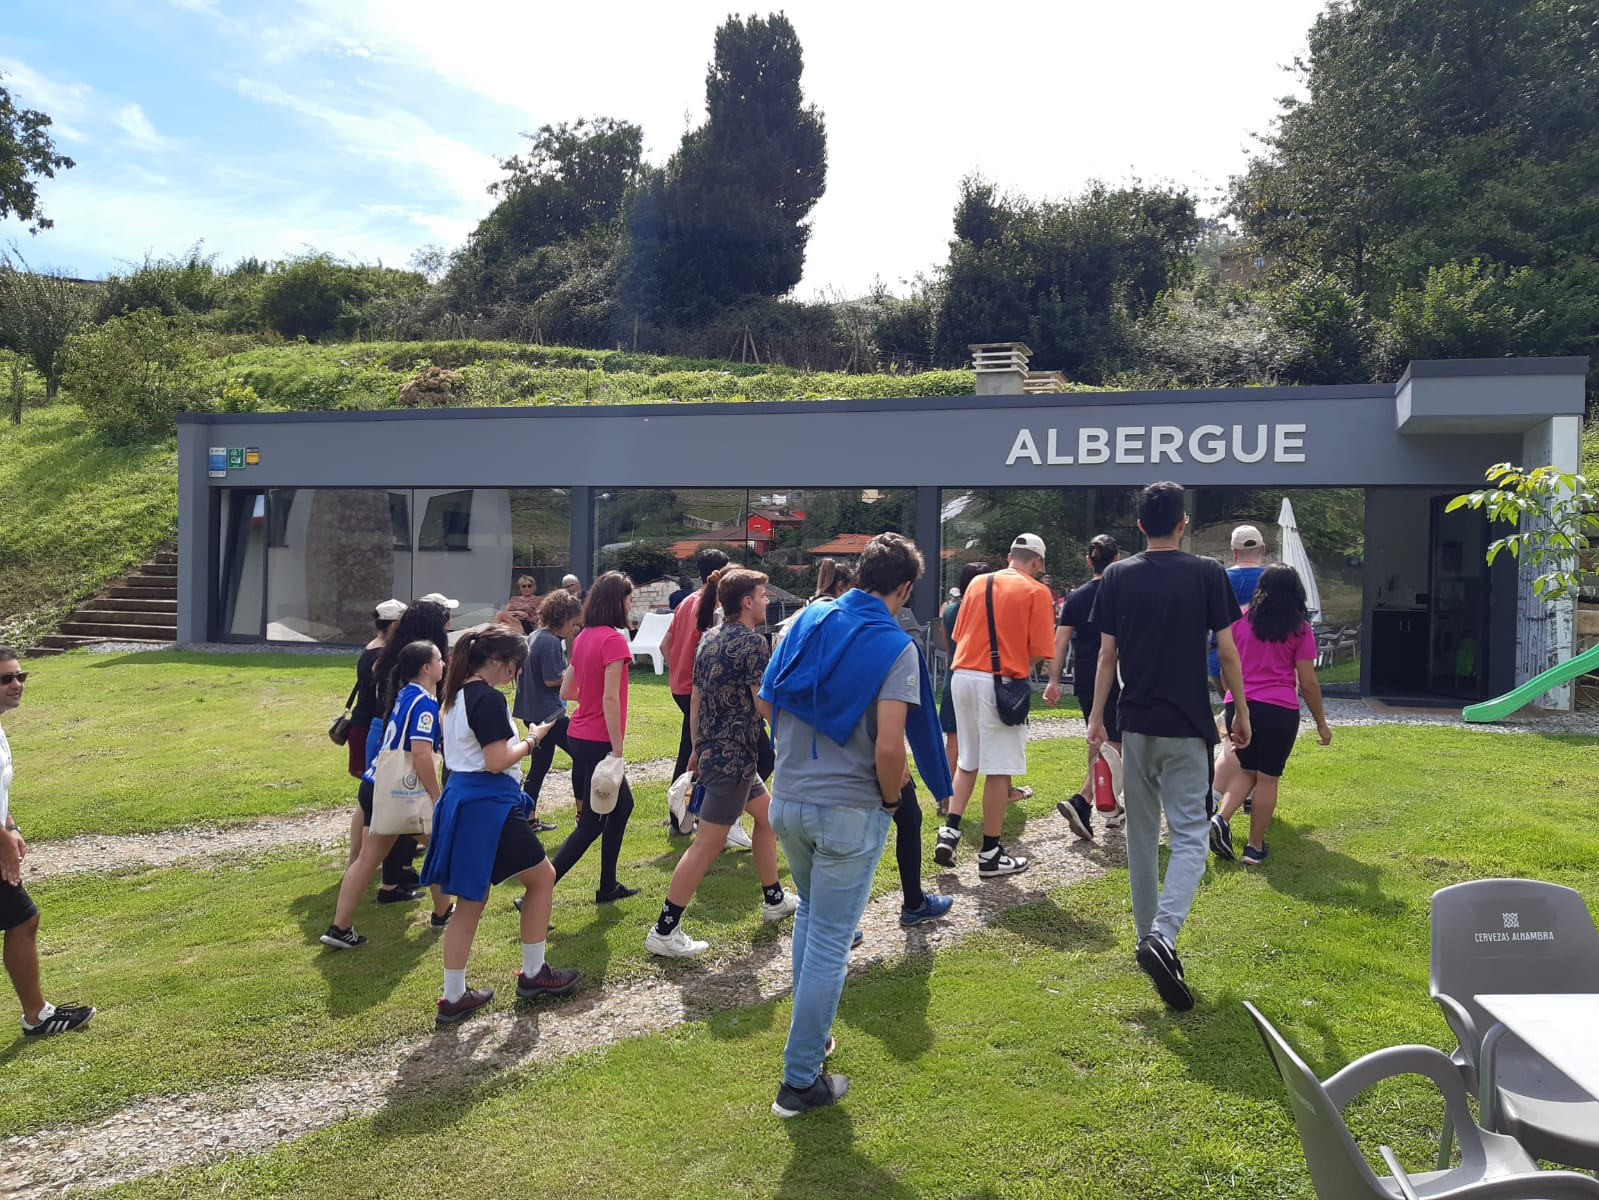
(1104, 787)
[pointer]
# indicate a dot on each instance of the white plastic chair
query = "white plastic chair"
(651, 630)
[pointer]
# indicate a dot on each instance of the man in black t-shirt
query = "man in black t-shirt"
(1155, 613)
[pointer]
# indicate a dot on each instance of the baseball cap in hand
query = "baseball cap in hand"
(1030, 542)
(390, 610)
(441, 598)
(1247, 537)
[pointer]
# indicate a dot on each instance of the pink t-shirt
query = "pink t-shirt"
(594, 650)
(1269, 674)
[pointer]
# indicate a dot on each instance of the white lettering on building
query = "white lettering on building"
(1154, 444)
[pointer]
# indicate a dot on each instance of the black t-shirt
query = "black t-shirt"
(486, 713)
(1161, 607)
(366, 687)
(1078, 612)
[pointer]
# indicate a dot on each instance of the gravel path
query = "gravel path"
(166, 1133)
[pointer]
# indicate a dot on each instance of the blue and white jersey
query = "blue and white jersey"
(415, 718)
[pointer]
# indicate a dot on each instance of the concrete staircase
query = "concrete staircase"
(142, 606)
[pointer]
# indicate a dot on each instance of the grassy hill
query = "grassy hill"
(76, 511)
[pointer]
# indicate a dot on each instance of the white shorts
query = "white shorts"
(985, 743)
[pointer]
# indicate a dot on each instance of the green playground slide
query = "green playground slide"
(1503, 706)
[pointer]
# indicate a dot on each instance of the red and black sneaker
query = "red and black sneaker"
(453, 1012)
(549, 981)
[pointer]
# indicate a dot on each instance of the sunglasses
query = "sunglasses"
(9, 676)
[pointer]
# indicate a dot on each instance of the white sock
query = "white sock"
(532, 959)
(45, 1013)
(454, 984)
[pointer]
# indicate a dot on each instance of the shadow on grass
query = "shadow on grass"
(359, 979)
(1055, 928)
(1302, 867)
(901, 1024)
(825, 1162)
(1218, 1044)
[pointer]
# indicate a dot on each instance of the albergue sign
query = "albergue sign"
(1153, 444)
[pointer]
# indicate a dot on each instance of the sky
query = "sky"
(372, 128)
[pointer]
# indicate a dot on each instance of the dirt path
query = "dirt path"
(166, 1133)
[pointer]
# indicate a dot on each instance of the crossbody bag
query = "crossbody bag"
(1013, 697)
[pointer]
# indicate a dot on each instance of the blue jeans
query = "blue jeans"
(832, 851)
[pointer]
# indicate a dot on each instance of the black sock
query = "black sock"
(953, 821)
(671, 914)
(772, 892)
(989, 843)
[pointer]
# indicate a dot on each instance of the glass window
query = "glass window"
(446, 522)
(400, 518)
(242, 563)
(475, 526)
(541, 537)
(331, 559)
(280, 505)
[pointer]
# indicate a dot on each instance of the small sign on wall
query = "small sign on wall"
(217, 461)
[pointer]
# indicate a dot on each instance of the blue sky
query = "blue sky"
(370, 128)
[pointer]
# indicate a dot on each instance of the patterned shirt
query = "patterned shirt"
(729, 664)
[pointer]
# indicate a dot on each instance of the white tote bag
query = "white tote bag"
(400, 804)
(605, 785)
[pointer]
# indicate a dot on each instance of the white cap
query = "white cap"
(566, 579)
(1247, 537)
(1030, 542)
(441, 598)
(390, 610)
(954, 593)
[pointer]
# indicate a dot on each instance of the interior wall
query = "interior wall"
(1398, 524)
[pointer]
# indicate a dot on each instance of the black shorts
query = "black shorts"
(16, 906)
(946, 711)
(1083, 689)
(1273, 730)
(363, 797)
(519, 848)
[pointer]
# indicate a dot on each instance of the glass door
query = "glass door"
(1458, 599)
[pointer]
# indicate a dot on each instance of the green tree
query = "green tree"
(727, 218)
(317, 295)
(27, 154)
(39, 312)
(135, 373)
(642, 562)
(182, 283)
(1065, 277)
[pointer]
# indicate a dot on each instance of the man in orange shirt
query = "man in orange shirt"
(1023, 622)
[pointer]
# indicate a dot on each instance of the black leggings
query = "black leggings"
(539, 761)
(399, 859)
(908, 845)
(685, 739)
(609, 829)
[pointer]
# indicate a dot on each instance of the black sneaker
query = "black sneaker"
(453, 1012)
(1221, 838)
(617, 891)
(944, 850)
(342, 939)
(409, 878)
(792, 1101)
(1165, 970)
(540, 825)
(996, 862)
(548, 982)
(399, 895)
(65, 1017)
(1079, 815)
(1253, 857)
(440, 920)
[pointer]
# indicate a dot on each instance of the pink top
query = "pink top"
(595, 649)
(1269, 675)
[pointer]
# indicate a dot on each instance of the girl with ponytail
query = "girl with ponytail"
(481, 834)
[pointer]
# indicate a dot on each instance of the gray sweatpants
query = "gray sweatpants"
(1174, 774)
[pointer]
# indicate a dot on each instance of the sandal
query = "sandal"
(1020, 793)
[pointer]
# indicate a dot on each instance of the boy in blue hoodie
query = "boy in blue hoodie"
(848, 687)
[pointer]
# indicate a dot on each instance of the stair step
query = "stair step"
(120, 631)
(64, 641)
(166, 556)
(152, 620)
(123, 591)
(169, 569)
(133, 604)
(42, 651)
(160, 583)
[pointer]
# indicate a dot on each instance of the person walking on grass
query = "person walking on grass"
(725, 715)
(1077, 629)
(412, 724)
(1021, 613)
(1154, 612)
(19, 915)
(481, 835)
(1277, 652)
(597, 680)
(847, 687)
(678, 647)
(1249, 559)
(538, 692)
(366, 710)
(946, 633)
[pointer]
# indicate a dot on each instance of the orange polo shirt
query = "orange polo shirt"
(1024, 618)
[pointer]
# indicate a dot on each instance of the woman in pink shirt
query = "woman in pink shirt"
(597, 679)
(1278, 651)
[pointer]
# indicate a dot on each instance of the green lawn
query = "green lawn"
(134, 743)
(1032, 1060)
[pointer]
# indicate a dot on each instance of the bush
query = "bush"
(317, 295)
(134, 374)
(641, 562)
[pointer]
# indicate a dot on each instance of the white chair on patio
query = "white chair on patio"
(651, 630)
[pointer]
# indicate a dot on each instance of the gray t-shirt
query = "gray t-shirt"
(536, 701)
(847, 774)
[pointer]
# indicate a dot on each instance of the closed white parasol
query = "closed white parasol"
(1293, 553)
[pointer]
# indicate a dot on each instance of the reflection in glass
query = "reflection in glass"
(330, 559)
(242, 562)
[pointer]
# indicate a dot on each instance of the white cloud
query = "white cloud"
(65, 102)
(140, 133)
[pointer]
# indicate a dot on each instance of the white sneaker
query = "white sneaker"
(676, 944)
(783, 908)
(737, 839)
